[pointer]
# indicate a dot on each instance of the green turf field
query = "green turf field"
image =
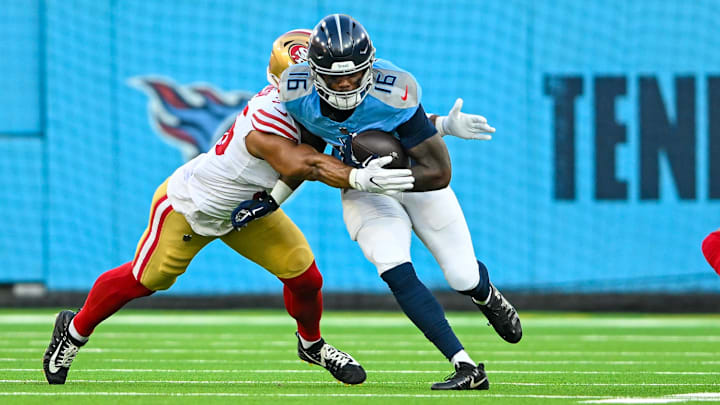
(248, 357)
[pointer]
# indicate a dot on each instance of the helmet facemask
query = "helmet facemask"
(343, 100)
(340, 46)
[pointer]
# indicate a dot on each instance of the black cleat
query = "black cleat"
(502, 316)
(465, 377)
(61, 351)
(340, 364)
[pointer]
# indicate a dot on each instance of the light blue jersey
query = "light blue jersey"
(392, 101)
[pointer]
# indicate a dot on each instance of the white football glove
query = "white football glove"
(465, 126)
(375, 179)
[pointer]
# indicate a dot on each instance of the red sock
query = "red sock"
(303, 301)
(111, 291)
(711, 250)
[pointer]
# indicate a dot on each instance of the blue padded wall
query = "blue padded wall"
(598, 178)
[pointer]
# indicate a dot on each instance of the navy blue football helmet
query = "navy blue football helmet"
(340, 46)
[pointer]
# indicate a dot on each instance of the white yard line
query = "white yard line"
(217, 371)
(510, 353)
(435, 362)
(364, 321)
(529, 384)
(348, 337)
(43, 382)
(595, 399)
(355, 338)
(665, 399)
(638, 338)
(281, 395)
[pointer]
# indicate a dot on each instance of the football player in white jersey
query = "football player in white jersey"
(344, 89)
(194, 206)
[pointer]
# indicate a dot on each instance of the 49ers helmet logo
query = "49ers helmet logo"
(298, 53)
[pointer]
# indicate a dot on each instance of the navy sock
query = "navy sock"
(482, 290)
(422, 308)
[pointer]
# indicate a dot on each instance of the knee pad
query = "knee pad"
(298, 261)
(385, 243)
(386, 257)
(463, 280)
(309, 282)
(480, 289)
(461, 274)
(164, 276)
(711, 250)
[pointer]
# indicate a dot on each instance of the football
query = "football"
(378, 143)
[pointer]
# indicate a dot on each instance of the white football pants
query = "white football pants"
(382, 224)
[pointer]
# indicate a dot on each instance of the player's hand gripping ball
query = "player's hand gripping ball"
(372, 144)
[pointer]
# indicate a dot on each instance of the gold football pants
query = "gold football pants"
(169, 244)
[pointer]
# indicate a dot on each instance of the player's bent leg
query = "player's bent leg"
(439, 222)
(164, 252)
(382, 228)
(711, 250)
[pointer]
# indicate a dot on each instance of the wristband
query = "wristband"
(352, 178)
(440, 125)
(280, 192)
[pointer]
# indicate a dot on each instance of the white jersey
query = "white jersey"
(208, 188)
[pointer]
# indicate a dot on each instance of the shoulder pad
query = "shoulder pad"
(295, 83)
(265, 96)
(394, 86)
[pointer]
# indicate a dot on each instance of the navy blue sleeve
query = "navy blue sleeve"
(415, 130)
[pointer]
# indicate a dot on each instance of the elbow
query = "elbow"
(443, 178)
(436, 180)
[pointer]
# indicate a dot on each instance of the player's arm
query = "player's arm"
(285, 185)
(297, 162)
(431, 168)
(303, 162)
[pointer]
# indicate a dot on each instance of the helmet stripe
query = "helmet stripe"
(337, 23)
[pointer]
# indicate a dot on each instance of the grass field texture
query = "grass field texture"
(249, 357)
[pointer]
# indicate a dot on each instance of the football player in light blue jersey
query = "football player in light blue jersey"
(344, 90)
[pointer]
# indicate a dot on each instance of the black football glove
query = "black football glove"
(262, 204)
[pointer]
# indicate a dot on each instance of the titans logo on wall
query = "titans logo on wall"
(191, 117)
